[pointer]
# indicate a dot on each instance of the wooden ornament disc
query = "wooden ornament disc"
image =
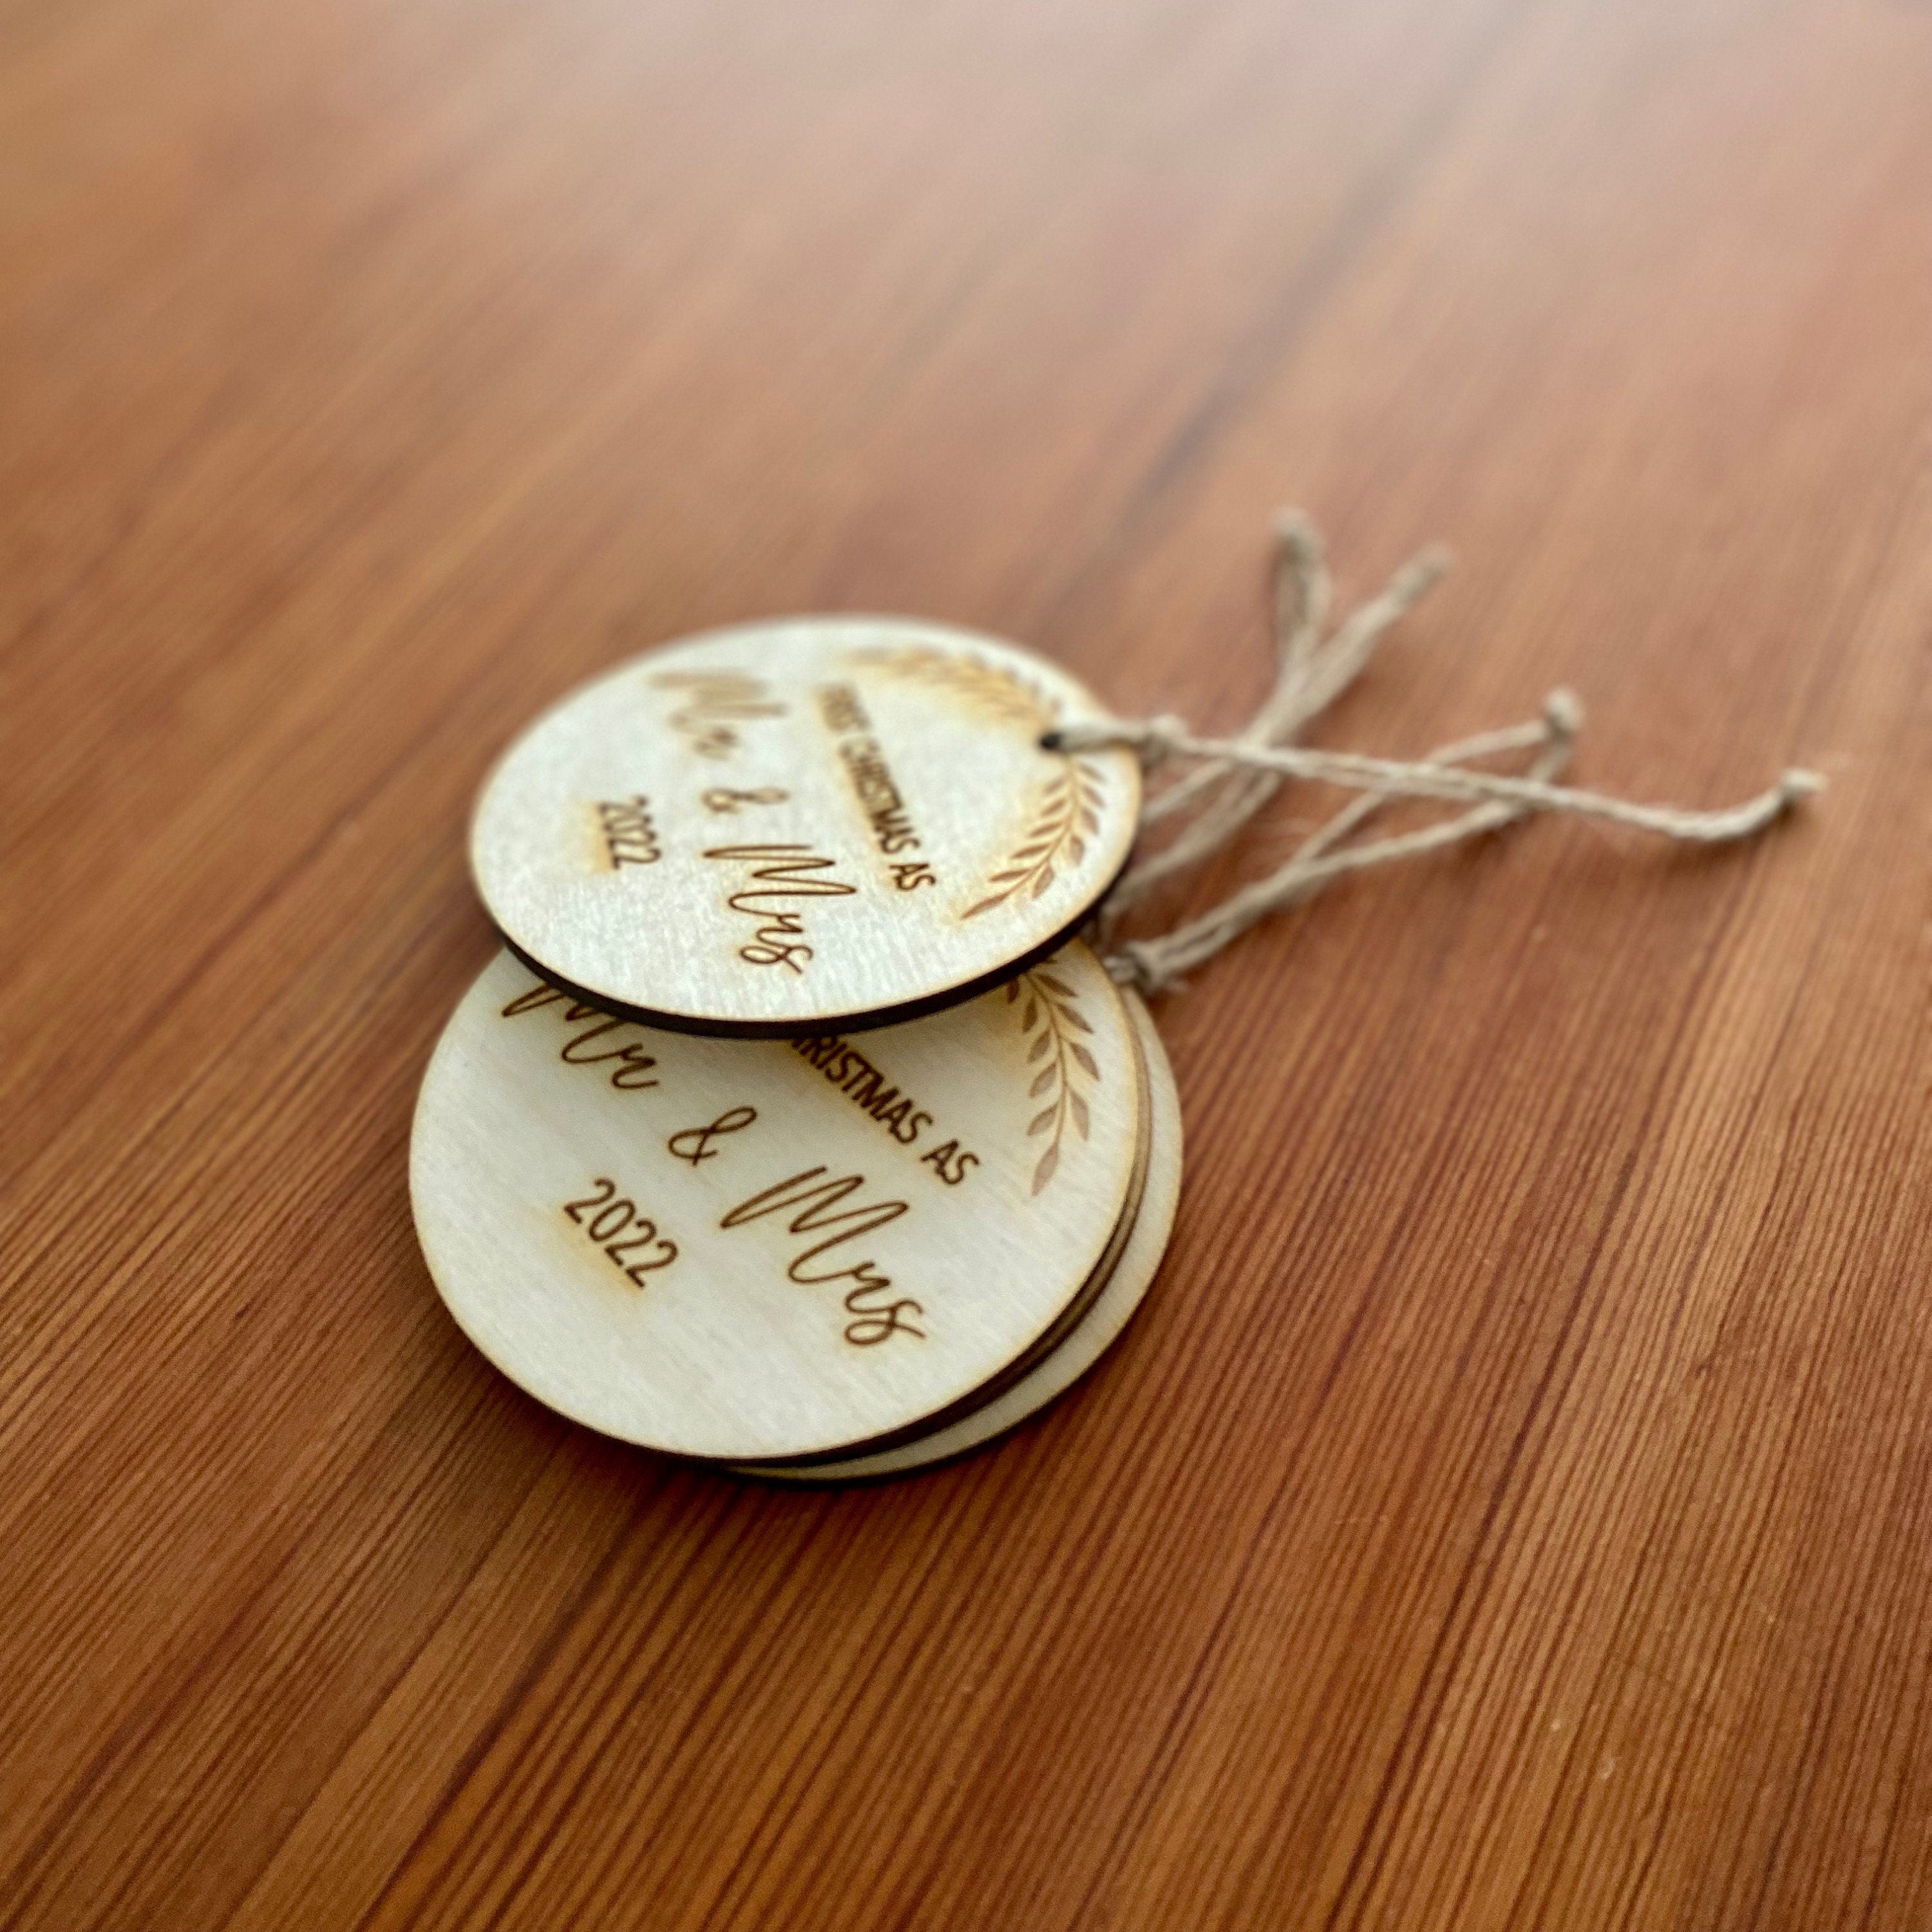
(756, 1251)
(815, 824)
(1095, 1332)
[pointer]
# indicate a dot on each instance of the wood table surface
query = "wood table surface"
(1512, 1508)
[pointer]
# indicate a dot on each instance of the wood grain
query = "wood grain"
(1511, 1507)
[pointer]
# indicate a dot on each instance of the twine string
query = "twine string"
(1310, 676)
(1232, 777)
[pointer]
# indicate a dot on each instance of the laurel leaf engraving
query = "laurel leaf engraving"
(1048, 1021)
(992, 687)
(1065, 807)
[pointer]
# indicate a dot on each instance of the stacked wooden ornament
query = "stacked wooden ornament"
(793, 1129)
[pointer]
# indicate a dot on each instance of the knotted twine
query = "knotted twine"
(1233, 778)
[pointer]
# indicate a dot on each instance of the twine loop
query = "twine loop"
(1232, 777)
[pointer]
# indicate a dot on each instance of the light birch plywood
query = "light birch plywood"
(762, 1250)
(821, 822)
(1091, 1337)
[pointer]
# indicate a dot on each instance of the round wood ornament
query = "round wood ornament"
(762, 1251)
(1095, 1333)
(816, 824)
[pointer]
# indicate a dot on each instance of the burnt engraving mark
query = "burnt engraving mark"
(782, 876)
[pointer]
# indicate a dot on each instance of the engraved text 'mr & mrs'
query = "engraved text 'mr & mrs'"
(874, 1319)
(715, 704)
(781, 877)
